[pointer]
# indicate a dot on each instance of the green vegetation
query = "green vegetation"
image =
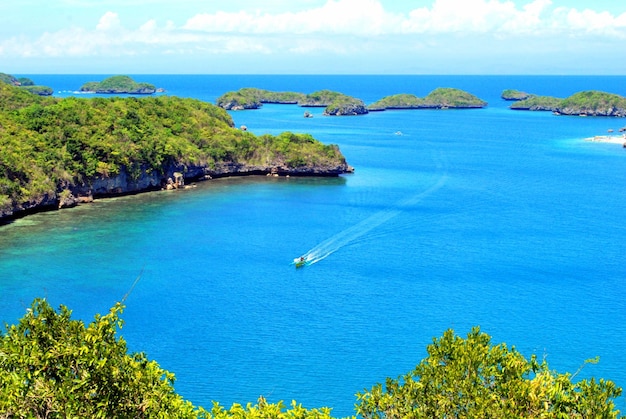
(447, 97)
(25, 81)
(263, 410)
(48, 145)
(399, 101)
(52, 366)
(325, 97)
(586, 103)
(337, 103)
(441, 98)
(472, 378)
(251, 98)
(512, 94)
(538, 103)
(593, 102)
(38, 90)
(241, 99)
(117, 85)
(26, 84)
(8, 79)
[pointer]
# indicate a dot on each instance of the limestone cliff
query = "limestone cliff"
(70, 194)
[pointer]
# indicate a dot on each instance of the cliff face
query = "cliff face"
(69, 195)
(589, 111)
(346, 109)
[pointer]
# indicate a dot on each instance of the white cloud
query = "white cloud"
(358, 17)
(109, 21)
(337, 26)
(369, 18)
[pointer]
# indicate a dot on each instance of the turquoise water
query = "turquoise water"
(489, 217)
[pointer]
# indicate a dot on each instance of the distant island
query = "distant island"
(252, 98)
(58, 153)
(26, 84)
(538, 103)
(336, 103)
(512, 94)
(440, 98)
(585, 103)
(118, 85)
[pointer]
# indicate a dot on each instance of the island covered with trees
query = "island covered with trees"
(585, 103)
(118, 85)
(513, 94)
(54, 366)
(336, 103)
(26, 84)
(252, 98)
(440, 98)
(61, 152)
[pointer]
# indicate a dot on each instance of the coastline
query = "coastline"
(173, 178)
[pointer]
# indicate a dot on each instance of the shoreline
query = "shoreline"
(612, 139)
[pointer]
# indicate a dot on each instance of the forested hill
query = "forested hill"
(119, 84)
(57, 152)
(26, 84)
(585, 103)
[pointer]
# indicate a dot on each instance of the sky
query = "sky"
(313, 37)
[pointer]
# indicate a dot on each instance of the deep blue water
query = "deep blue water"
(490, 217)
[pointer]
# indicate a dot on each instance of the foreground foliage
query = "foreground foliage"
(263, 410)
(472, 378)
(54, 367)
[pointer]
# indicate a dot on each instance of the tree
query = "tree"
(471, 378)
(264, 410)
(54, 367)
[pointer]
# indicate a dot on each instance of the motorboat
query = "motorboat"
(300, 262)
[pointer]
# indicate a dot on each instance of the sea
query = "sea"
(506, 220)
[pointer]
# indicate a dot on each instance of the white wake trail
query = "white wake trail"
(341, 239)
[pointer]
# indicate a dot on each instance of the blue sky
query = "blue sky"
(313, 36)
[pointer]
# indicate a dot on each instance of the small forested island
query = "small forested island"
(26, 84)
(252, 98)
(60, 152)
(512, 94)
(118, 85)
(585, 103)
(335, 103)
(440, 98)
(538, 103)
(340, 104)
(53, 363)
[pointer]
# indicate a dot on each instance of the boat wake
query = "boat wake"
(345, 237)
